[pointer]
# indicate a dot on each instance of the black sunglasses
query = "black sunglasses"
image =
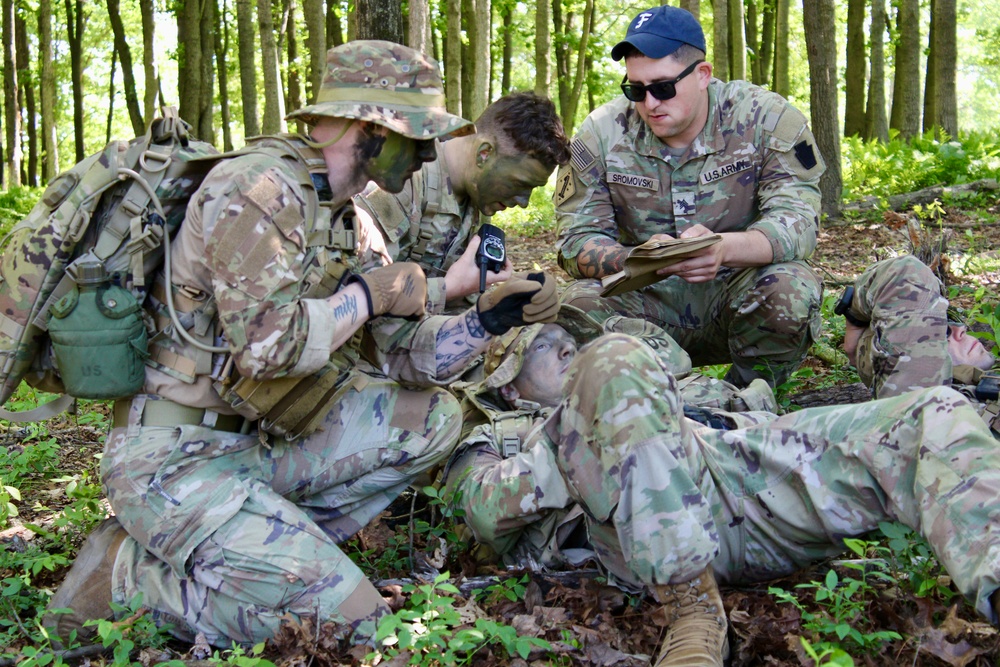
(661, 90)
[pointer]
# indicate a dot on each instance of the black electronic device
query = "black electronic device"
(843, 307)
(988, 388)
(492, 254)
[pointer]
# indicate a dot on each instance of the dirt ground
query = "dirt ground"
(590, 623)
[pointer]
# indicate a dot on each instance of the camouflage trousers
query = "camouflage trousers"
(665, 497)
(906, 344)
(762, 320)
(229, 538)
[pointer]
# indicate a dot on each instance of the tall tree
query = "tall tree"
(419, 26)
(195, 69)
(753, 40)
(737, 41)
(543, 47)
(26, 80)
(855, 75)
(109, 123)
(50, 144)
(944, 33)
(453, 56)
(779, 77)
(75, 23)
(12, 106)
(152, 76)
(477, 68)
(572, 100)
(876, 120)
(312, 16)
(821, 46)
(905, 114)
(293, 98)
(221, 51)
(766, 41)
(125, 58)
(693, 6)
(720, 39)
(930, 77)
(205, 128)
(334, 26)
(507, 51)
(379, 19)
(274, 103)
(245, 40)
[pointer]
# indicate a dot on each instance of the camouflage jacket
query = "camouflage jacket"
(754, 166)
(246, 249)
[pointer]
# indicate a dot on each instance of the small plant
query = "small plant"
(431, 629)
(512, 589)
(828, 656)
(842, 603)
(136, 629)
(237, 656)
(914, 566)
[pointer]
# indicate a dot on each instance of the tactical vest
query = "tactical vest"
(288, 407)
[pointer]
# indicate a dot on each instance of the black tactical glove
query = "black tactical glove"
(399, 290)
(518, 301)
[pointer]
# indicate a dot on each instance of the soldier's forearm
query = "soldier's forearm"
(601, 257)
(459, 342)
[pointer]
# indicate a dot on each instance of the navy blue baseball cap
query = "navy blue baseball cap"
(660, 31)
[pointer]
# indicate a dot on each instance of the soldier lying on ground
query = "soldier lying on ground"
(612, 464)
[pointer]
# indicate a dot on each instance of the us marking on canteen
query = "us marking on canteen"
(634, 181)
(725, 170)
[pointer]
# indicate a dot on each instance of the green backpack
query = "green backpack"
(84, 258)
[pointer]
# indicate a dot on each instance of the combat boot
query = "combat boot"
(87, 587)
(696, 623)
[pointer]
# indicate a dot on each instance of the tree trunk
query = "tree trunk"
(946, 64)
(128, 74)
(379, 19)
(753, 40)
(111, 94)
(693, 6)
(855, 75)
(876, 120)
(569, 112)
(313, 17)
(479, 59)
(780, 70)
(453, 57)
(720, 39)
(205, 129)
(507, 53)
(149, 69)
(930, 76)
(420, 26)
(12, 102)
(294, 97)
(75, 23)
(248, 67)
(221, 49)
(274, 106)
(468, 7)
(189, 51)
(334, 26)
(562, 28)
(737, 41)
(543, 47)
(27, 83)
(766, 41)
(50, 144)
(821, 45)
(905, 115)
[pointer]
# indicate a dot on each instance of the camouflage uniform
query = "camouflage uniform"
(752, 168)
(663, 496)
(426, 224)
(906, 344)
(232, 531)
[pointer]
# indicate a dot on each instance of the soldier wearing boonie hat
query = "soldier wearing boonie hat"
(268, 456)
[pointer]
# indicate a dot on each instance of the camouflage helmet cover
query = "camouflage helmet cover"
(505, 355)
(388, 84)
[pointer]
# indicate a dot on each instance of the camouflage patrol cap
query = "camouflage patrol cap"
(388, 84)
(505, 354)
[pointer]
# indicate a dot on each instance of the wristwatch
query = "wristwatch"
(844, 308)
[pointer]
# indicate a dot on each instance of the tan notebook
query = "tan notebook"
(646, 259)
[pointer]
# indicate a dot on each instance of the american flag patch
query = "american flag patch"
(582, 157)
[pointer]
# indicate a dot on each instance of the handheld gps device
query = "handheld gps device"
(491, 254)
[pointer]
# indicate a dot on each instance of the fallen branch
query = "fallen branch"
(925, 196)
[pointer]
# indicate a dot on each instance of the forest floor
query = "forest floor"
(588, 622)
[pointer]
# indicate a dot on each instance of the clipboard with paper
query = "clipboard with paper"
(645, 260)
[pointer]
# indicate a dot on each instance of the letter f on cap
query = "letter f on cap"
(645, 16)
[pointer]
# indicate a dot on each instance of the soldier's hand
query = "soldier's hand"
(462, 278)
(399, 290)
(518, 301)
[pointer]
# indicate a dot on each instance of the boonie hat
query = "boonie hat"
(660, 31)
(388, 84)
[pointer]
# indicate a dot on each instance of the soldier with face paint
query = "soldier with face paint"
(612, 467)
(519, 140)
(235, 475)
(681, 154)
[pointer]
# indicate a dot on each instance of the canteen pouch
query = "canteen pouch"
(99, 342)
